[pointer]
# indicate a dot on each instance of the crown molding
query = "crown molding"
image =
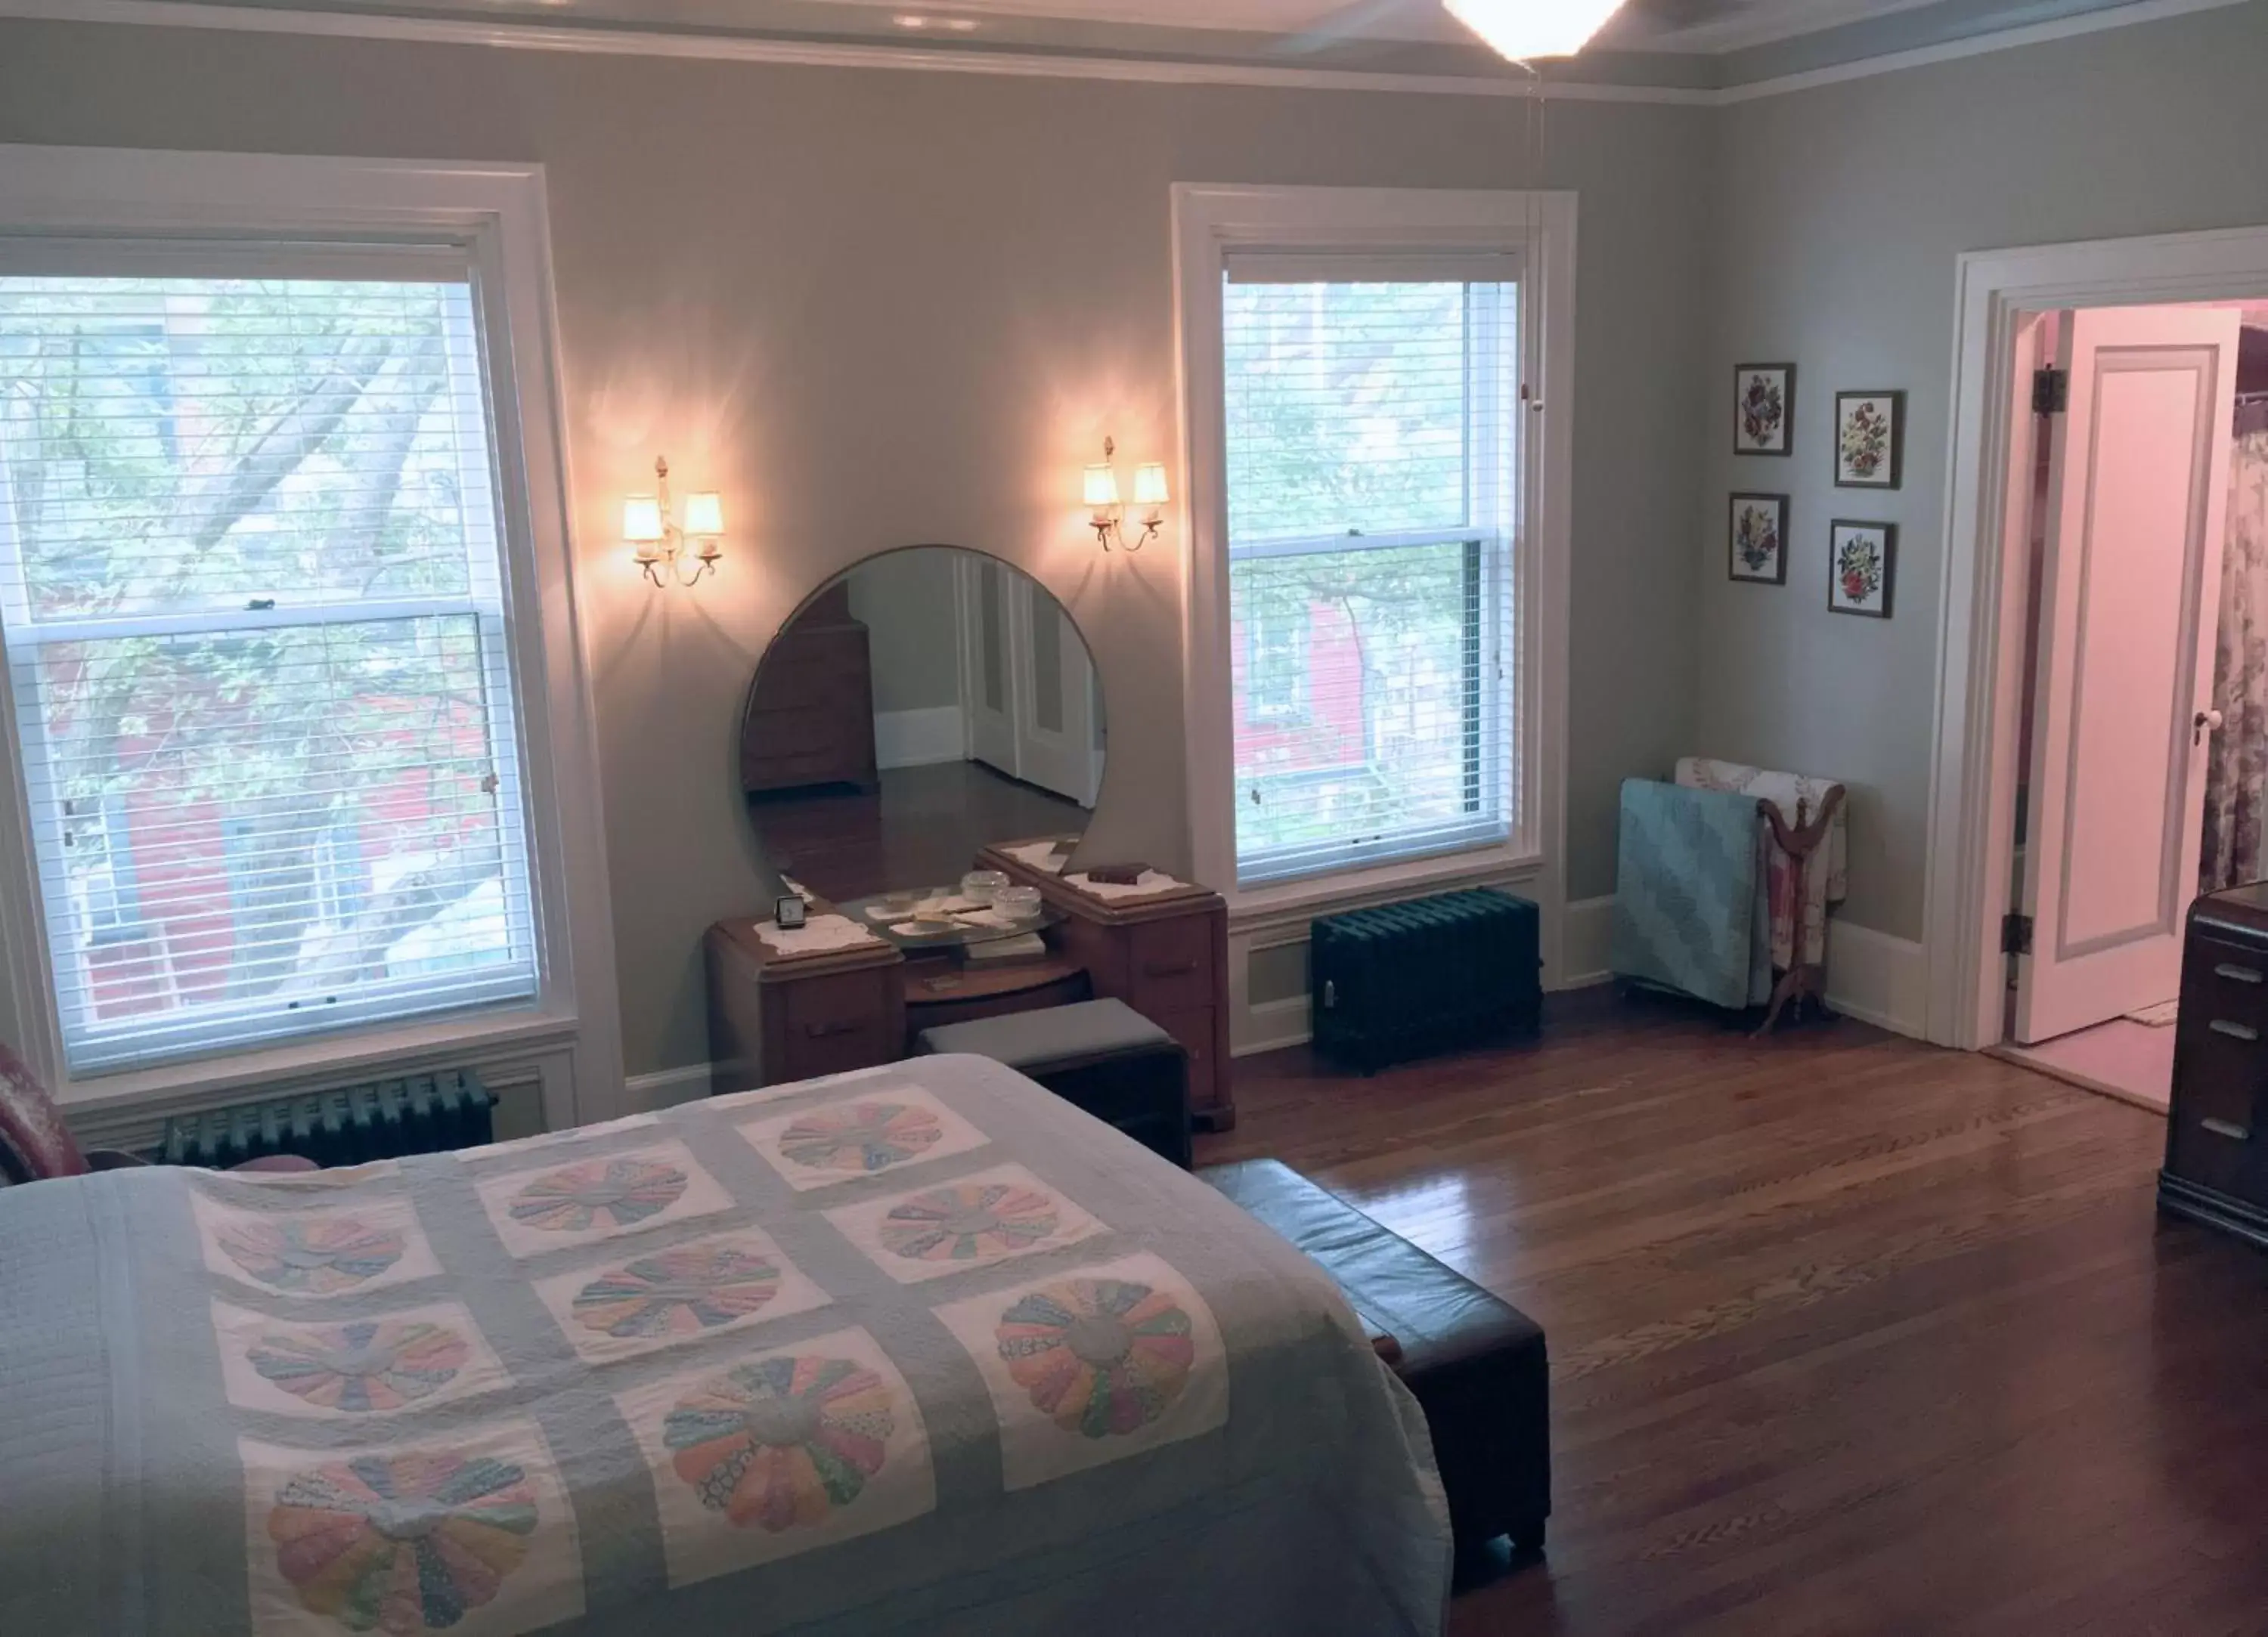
(710, 47)
(1979, 45)
(713, 47)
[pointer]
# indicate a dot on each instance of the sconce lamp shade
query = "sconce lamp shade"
(1150, 484)
(642, 519)
(1101, 487)
(705, 515)
(1521, 30)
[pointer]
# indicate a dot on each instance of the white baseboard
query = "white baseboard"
(919, 739)
(1877, 978)
(1871, 975)
(667, 1087)
(1586, 939)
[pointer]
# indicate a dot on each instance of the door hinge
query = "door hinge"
(2015, 935)
(2050, 391)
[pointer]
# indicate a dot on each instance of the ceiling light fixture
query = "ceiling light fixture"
(1523, 30)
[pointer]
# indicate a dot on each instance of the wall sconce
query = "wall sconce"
(1109, 519)
(659, 538)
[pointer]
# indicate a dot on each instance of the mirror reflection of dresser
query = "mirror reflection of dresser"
(922, 745)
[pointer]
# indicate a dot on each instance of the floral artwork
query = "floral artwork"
(1759, 537)
(597, 1194)
(1869, 439)
(404, 1543)
(311, 1255)
(363, 1365)
(968, 1221)
(681, 1292)
(783, 1442)
(1861, 562)
(1764, 408)
(861, 1137)
(1100, 1357)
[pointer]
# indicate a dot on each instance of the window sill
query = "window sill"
(279, 1071)
(1292, 904)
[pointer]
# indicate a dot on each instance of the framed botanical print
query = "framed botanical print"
(1764, 408)
(1757, 546)
(1861, 568)
(1870, 439)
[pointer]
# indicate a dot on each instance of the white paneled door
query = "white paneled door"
(1027, 684)
(2123, 687)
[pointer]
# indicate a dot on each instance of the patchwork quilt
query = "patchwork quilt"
(917, 1350)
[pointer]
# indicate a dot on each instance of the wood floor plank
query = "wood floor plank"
(1848, 1334)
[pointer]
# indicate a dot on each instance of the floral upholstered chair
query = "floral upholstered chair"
(35, 1144)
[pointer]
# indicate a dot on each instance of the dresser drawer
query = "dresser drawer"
(2217, 1152)
(1169, 966)
(2224, 981)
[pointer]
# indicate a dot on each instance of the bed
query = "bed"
(919, 1348)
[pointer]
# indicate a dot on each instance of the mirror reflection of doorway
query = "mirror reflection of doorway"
(1033, 711)
(927, 702)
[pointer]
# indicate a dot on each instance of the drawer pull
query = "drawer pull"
(1160, 969)
(2235, 1031)
(2224, 1128)
(847, 1025)
(2236, 973)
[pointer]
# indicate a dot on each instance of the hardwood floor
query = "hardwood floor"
(1848, 1334)
(923, 827)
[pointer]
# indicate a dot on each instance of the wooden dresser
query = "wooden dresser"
(810, 711)
(2216, 1168)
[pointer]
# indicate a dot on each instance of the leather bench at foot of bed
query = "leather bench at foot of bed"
(1475, 1364)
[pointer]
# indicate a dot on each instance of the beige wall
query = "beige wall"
(878, 308)
(1842, 211)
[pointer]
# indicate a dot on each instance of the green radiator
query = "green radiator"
(1401, 980)
(423, 1115)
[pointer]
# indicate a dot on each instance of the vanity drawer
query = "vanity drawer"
(1169, 966)
(1193, 1030)
(831, 1023)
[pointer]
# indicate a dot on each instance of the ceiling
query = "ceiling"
(1686, 46)
(1643, 25)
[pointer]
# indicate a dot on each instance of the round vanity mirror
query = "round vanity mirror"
(923, 705)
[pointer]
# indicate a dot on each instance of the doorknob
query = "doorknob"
(2204, 723)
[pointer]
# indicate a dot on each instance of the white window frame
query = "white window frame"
(1211, 222)
(498, 214)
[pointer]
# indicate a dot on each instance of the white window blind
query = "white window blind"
(1373, 507)
(252, 603)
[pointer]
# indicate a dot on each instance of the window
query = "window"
(252, 602)
(1373, 499)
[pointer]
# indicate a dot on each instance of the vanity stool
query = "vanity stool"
(1100, 1056)
(1475, 1364)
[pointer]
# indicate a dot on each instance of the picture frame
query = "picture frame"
(1870, 439)
(790, 912)
(1764, 408)
(1862, 559)
(1755, 543)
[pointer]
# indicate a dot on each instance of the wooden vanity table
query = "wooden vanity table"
(773, 1019)
(916, 708)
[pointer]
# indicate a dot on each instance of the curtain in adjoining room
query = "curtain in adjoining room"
(2236, 776)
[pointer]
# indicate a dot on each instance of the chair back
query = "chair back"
(34, 1142)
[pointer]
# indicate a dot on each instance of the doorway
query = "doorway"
(1982, 624)
(2139, 537)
